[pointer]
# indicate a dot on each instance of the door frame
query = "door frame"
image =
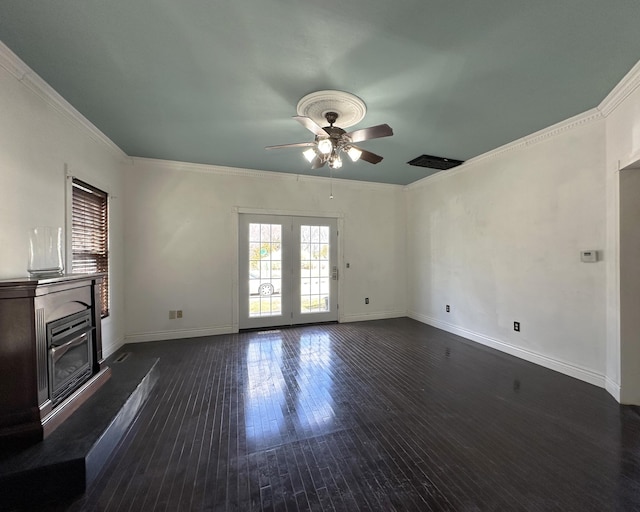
(235, 270)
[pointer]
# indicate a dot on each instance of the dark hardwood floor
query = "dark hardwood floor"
(382, 415)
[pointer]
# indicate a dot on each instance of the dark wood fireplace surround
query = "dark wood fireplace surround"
(27, 305)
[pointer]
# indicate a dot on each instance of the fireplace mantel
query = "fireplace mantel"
(27, 305)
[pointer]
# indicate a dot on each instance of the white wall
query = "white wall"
(181, 240)
(40, 137)
(499, 240)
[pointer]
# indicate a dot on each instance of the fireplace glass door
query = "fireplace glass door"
(69, 354)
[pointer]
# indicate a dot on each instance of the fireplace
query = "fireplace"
(50, 352)
(69, 341)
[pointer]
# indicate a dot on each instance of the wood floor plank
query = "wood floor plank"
(380, 415)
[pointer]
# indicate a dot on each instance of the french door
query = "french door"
(288, 270)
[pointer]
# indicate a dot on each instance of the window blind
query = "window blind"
(90, 236)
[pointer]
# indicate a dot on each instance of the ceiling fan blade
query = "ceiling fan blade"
(317, 163)
(295, 145)
(311, 125)
(368, 156)
(373, 132)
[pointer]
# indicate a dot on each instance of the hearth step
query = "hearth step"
(69, 460)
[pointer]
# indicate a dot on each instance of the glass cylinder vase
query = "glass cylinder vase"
(45, 251)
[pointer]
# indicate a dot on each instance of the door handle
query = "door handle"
(334, 273)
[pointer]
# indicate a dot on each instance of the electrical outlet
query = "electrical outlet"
(448, 308)
(179, 313)
(172, 315)
(366, 300)
(516, 326)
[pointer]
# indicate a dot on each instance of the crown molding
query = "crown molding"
(622, 91)
(32, 81)
(172, 165)
(627, 86)
(11, 62)
(585, 118)
(572, 123)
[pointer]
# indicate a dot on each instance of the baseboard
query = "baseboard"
(378, 315)
(178, 334)
(583, 374)
(613, 388)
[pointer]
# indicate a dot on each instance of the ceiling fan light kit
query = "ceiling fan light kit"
(330, 141)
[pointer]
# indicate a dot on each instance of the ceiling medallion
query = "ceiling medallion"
(350, 109)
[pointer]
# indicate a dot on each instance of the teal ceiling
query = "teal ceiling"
(215, 81)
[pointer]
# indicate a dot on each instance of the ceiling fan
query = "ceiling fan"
(331, 141)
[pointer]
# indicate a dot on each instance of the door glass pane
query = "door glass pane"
(265, 270)
(315, 269)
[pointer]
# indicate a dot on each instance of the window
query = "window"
(90, 236)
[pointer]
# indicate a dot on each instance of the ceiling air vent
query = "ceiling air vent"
(435, 162)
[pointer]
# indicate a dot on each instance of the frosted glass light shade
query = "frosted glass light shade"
(354, 154)
(324, 146)
(309, 154)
